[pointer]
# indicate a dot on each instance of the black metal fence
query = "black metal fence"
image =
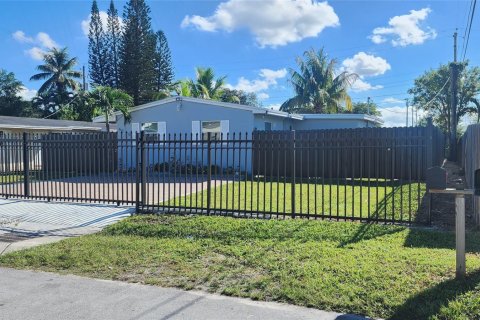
(371, 174)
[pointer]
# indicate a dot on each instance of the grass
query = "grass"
(11, 178)
(381, 200)
(375, 270)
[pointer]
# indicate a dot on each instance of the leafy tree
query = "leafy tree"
(365, 108)
(96, 48)
(163, 62)
(431, 92)
(57, 71)
(240, 96)
(10, 102)
(113, 39)
(137, 66)
(317, 87)
(108, 100)
(206, 86)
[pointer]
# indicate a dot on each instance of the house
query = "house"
(16, 125)
(198, 116)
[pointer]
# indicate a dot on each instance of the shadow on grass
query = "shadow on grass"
(429, 302)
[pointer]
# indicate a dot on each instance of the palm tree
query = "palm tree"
(206, 86)
(58, 72)
(317, 88)
(108, 100)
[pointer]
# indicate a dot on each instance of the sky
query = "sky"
(255, 43)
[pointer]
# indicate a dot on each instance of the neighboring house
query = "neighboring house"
(15, 125)
(199, 116)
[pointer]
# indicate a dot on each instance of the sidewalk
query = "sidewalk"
(39, 295)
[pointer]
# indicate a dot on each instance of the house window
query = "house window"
(212, 127)
(150, 127)
(268, 126)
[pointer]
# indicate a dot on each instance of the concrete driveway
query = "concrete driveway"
(26, 223)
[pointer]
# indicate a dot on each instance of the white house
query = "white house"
(197, 116)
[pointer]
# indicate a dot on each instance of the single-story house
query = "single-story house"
(198, 116)
(15, 125)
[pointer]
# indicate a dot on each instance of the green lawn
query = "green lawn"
(381, 200)
(376, 270)
(11, 178)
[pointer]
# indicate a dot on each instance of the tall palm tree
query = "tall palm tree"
(58, 72)
(318, 89)
(206, 86)
(108, 100)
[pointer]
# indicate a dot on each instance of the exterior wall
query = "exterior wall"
(180, 121)
(278, 123)
(312, 124)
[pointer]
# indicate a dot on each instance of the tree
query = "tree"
(317, 88)
(11, 104)
(365, 108)
(239, 96)
(96, 48)
(58, 72)
(137, 66)
(113, 37)
(206, 86)
(108, 100)
(163, 62)
(431, 92)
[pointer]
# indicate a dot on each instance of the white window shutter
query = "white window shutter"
(162, 129)
(196, 132)
(224, 128)
(135, 127)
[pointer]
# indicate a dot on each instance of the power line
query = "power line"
(469, 27)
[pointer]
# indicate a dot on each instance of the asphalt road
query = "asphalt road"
(36, 295)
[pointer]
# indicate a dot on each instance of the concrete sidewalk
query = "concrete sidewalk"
(37, 295)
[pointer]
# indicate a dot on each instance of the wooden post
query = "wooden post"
(460, 235)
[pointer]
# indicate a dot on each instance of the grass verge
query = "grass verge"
(380, 271)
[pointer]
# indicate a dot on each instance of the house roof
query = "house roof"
(254, 110)
(48, 124)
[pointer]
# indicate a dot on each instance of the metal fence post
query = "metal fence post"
(26, 166)
(209, 172)
(294, 165)
(139, 171)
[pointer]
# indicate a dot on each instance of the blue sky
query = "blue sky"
(388, 43)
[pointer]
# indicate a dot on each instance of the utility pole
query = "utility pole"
(406, 101)
(368, 105)
(453, 102)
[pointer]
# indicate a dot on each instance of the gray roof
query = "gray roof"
(48, 124)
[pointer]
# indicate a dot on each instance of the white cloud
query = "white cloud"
(396, 116)
(21, 37)
(35, 53)
(272, 22)
(267, 78)
(85, 24)
(263, 96)
(361, 85)
(392, 100)
(42, 42)
(405, 30)
(27, 94)
(366, 65)
(46, 41)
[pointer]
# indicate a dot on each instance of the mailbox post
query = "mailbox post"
(437, 183)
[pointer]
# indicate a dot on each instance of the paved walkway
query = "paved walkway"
(26, 223)
(37, 295)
